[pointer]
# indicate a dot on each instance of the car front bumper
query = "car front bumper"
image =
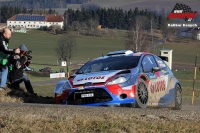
(98, 96)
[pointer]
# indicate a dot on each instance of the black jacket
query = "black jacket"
(3, 47)
(18, 66)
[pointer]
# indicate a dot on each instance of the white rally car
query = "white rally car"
(122, 78)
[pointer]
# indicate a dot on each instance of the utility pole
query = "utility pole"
(54, 5)
(195, 71)
(152, 35)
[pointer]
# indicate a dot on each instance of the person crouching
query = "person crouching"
(17, 76)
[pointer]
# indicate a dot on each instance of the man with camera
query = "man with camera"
(16, 75)
(4, 54)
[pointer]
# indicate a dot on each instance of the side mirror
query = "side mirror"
(155, 69)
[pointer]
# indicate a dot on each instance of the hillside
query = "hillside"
(43, 44)
(154, 5)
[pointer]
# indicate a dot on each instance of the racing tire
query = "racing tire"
(142, 95)
(178, 98)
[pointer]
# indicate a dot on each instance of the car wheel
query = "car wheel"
(142, 95)
(178, 98)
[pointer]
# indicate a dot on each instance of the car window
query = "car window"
(160, 62)
(110, 63)
(148, 63)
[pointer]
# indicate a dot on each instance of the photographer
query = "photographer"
(16, 75)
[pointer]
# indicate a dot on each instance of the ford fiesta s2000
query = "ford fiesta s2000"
(122, 78)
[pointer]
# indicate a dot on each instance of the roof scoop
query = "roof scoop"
(120, 53)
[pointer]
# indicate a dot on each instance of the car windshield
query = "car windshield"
(110, 63)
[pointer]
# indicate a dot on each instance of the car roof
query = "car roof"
(122, 53)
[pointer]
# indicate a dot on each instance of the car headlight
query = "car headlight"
(61, 86)
(119, 79)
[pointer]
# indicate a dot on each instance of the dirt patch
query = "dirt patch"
(21, 96)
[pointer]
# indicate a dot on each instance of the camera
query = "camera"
(25, 52)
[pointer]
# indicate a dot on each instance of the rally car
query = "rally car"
(122, 78)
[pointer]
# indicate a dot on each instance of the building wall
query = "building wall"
(198, 36)
(55, 23)
(32, 24)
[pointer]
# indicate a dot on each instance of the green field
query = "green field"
(43, 46)
(60, 119)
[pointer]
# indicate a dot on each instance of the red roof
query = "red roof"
(47, 17)
(54, 18)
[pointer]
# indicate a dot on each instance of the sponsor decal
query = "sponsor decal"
(158, 86)
(151, 76)
(91, 78)
(80, 88)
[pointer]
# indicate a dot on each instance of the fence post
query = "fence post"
(195, 71)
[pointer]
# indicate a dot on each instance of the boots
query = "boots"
(29, 87)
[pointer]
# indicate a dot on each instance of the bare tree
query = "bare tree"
(167, 32)
(83, 27)
(76, 26)
(137, 36)
(92, 26)
(66, 47)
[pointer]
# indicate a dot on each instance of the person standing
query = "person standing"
(4, 54)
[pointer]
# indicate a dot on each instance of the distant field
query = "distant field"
(184, 53)
(43, 46)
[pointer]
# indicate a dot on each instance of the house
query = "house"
(192, 32)
(62, 62)
(35, 21)
(198, 35)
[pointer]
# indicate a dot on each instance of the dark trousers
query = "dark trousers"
(16, 83)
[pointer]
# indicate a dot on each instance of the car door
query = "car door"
(157, 83)
(167, 75)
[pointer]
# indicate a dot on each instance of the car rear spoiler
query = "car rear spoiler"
(164, 58)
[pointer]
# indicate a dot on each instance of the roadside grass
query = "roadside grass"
(186, 78)
(47, 90)
(61, 118)
(66, 119)
(45, 95)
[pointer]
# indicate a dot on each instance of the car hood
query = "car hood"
(96, 77)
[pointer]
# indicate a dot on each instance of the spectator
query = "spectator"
(17, 76)
(4, 54)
